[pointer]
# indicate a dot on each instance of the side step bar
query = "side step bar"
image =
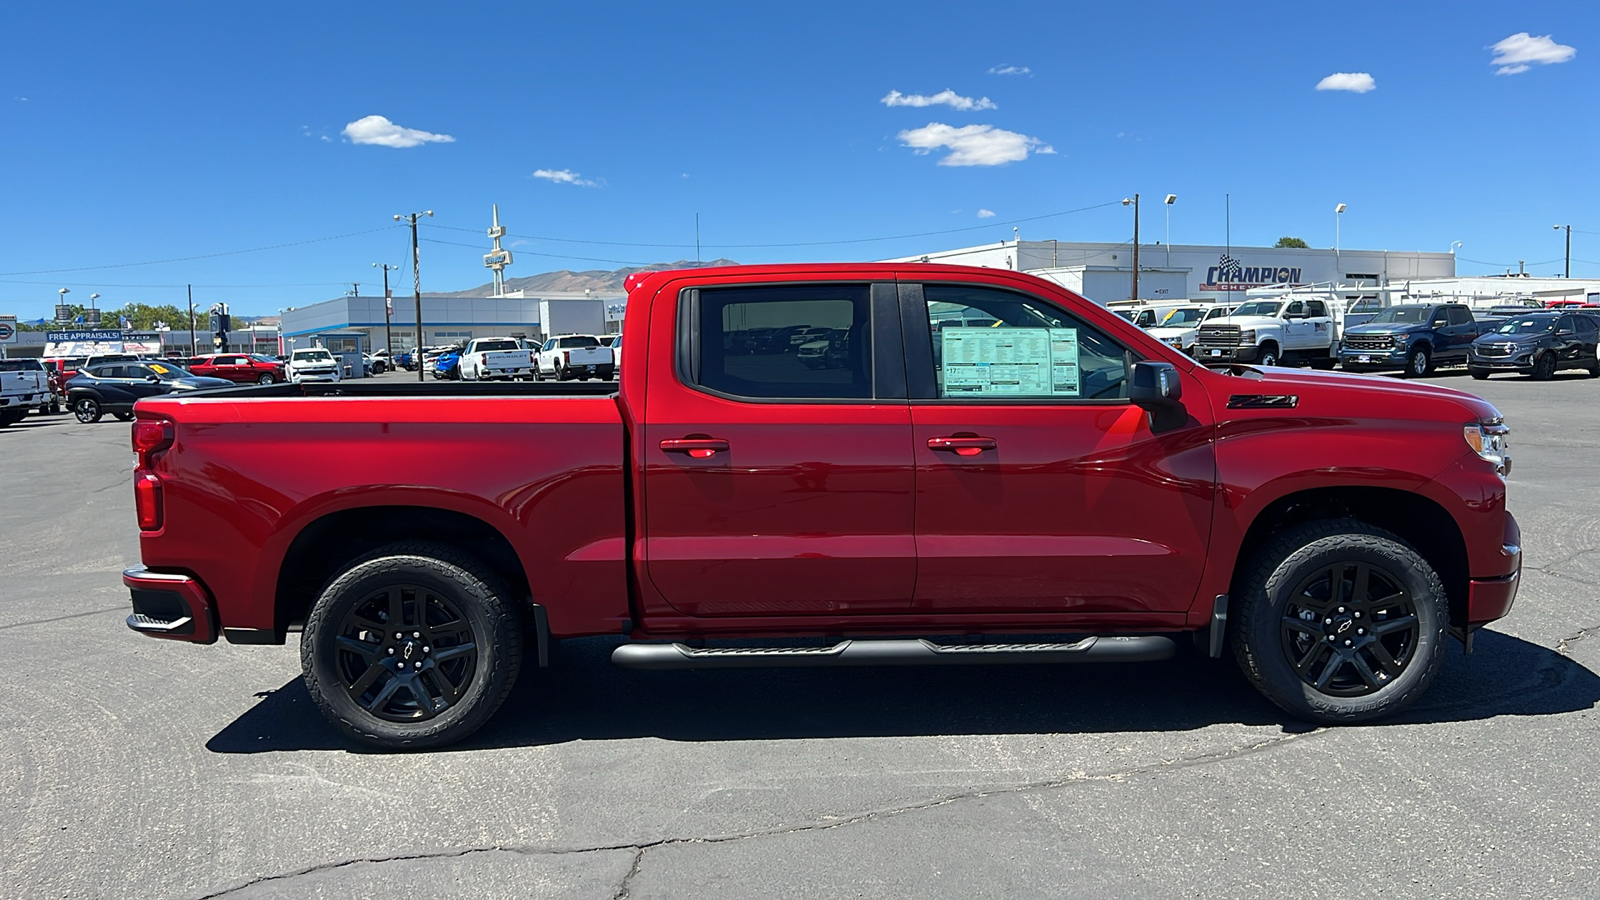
(1149, 648)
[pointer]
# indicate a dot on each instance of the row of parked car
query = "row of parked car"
(1414, 339)
(562, 358)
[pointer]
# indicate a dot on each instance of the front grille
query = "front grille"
(1495, 349)
(1369, 342)
(1218, 336)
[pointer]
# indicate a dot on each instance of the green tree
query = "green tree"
(1292, 242)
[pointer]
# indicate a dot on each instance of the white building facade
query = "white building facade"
(445, 320)
(1104, 272)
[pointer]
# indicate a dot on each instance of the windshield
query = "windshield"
(485, 346)
(1259, 308)
(20, 365)
(313, 356)
(1537, 325)
(1402, 315)
(1185, 316)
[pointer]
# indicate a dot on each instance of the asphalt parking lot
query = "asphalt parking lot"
(139, 768)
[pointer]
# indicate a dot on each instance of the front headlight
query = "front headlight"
(1492, 442)
(1247, 336)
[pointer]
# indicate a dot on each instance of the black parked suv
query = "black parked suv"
(115, 387)
(1538, 344)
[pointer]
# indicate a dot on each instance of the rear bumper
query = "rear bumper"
(175, 607)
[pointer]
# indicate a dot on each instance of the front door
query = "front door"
(1040, 487)
(778, 476)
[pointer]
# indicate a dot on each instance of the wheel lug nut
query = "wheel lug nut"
(418, 664)
(1327, 621)
(1341, 609)
(1330, 638)
(391, 651)
(426, 648)
(398, 635)
(416, 634)
(1348, 643)
(1357, 613)
(1361, 631)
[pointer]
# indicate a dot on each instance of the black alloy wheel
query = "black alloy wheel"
(1478, 374)
(1349, 629)
(1544, 368)
(86, 410)
(1339, 622)
(414, 645)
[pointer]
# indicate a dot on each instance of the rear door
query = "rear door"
(772, 488)
(1040, 487)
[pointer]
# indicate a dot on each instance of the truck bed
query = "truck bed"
(360, 387)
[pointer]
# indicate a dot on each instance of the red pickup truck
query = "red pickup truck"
(995, 471)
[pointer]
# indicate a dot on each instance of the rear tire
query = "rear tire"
(266, 378)
(1339, 622)
(413, 646)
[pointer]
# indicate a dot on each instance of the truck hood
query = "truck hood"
(1246, 321)
(1386, 328)
(1167, 331)
(1336, 393)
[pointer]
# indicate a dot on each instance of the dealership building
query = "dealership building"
(448, 319)
(1104, 272)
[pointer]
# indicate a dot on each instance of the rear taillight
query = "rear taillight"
(151, 436)
(147, 499)
(566, 356)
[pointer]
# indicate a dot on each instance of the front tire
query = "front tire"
(1268, 356)
(1544, 368)
(266, 378)
(1418, 362)
(1340, 622)
(1478, 374)
(86, 410)
(413, 646)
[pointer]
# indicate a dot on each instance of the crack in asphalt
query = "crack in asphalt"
(92, 612)
(640, 848)
(1565, 643)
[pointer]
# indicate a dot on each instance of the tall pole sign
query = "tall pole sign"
(498, 258)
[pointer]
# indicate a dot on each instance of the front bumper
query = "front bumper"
(175, 607)
(1222, 355)
(1356, 360)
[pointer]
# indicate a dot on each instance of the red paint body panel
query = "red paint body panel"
(825, 517)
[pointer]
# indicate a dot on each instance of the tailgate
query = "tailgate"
(508, 359)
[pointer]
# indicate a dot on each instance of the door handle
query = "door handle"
(695, 447)
(962, 445)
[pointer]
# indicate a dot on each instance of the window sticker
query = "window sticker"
(1009, 362)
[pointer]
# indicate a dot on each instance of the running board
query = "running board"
(1147, 648)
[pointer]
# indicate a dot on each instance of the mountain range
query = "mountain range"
(598, 280)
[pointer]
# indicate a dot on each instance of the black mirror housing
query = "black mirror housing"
(1155, 384)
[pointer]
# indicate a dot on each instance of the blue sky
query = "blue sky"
(132, 133)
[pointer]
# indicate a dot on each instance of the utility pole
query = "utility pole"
(388, 312)
(193, 349)
(1135, 203)
(1568, 271)
(416, 280)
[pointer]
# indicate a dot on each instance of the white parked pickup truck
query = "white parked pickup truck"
(1272, 333)
(312, 364)
(495, 357)
(23, 386)
(577, 356)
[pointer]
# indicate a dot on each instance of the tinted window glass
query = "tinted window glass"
(579, 342)
(20, 365)
(488, 346)
(1316, 308)
(1033, 350)
(1587, 325)
(1460, 316)
(806, 341)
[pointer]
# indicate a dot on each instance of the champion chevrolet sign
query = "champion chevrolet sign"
(1230, 274)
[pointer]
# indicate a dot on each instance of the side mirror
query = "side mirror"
(153, 379)
(1155, 384)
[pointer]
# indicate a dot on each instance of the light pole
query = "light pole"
(388, 312)
(1569, 249)
(1338, 213)
(1171, 199)
(1135, 204)
(416, 281)
(92, 316)
(63, 292)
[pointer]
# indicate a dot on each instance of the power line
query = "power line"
(620, 262)
(157, 262)
(867, 240)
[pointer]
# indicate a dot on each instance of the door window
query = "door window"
(799, 342)
(1026, 349)
(1460, 315)
(1296, 310)
(1316, 308)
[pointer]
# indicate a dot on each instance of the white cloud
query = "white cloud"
(1354, 82)
(985, 213)
(972, 145)
(567, 176)
(1514, 54)
(1010, 70)
(947, 97)
(384, 133)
